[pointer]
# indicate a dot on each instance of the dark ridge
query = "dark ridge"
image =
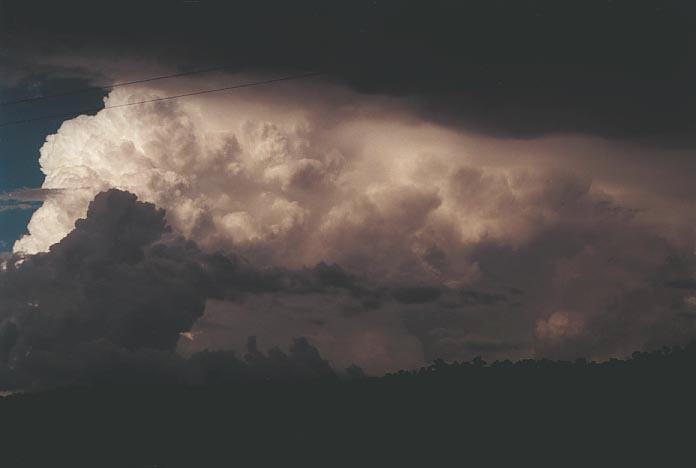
(446, 414)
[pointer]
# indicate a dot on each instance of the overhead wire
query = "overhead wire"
(164, 98)
(90, 89)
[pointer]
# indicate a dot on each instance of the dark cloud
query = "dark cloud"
(681, 283)
(114, 296)
(416, 294)
(479, 297)
(472, 345)
(512, 68)
(105, 282)
(301, 362)
(102, 362)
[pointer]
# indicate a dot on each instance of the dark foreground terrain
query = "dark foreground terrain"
(619, 413)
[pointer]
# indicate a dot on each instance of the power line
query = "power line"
(112, 86)
(165, 98)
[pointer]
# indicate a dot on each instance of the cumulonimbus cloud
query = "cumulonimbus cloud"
(308, 173)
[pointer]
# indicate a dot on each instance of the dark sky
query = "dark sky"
(512, 68)
(500, 178)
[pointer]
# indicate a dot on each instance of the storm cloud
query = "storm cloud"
(508, 68)
(514, 250)
(500, 199)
